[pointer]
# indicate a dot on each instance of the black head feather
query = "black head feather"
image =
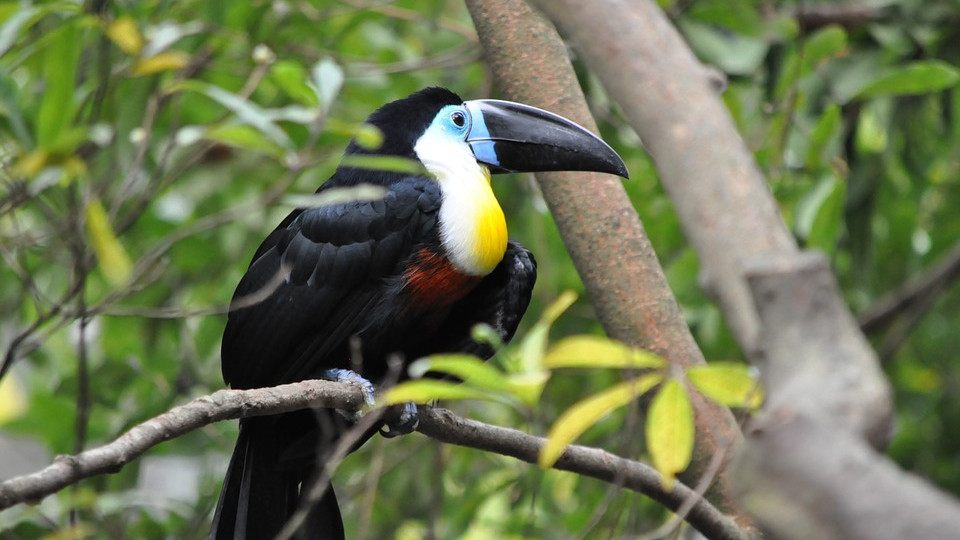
(403, 121)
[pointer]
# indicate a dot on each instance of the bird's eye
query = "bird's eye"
(458, 118)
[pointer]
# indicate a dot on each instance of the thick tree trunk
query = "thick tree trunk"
(598, 223)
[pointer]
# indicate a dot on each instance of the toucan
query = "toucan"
(336, 291)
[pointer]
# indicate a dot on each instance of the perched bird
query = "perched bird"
(407, 274)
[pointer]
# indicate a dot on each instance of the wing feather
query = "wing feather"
(334, 265)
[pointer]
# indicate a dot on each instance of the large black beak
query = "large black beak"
(511, 137)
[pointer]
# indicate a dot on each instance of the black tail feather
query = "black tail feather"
(261, 488)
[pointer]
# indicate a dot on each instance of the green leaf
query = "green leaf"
(727, 383)
(327, 79)
(669, 430)
(368, 136)
(114, 261)
(291, 77)
(824, 44)
(527, 386)
(383, 163)
(921, 77)
(826, 131)
(484, 333)
(427, 390)
(588, 351)
(534, 344)
(244, 136)
(247, 112)
(58, 109)
(740, 16)
(587, 412)
(340, 195)
(735, 54)
(871, 135)
(24, 16)
(467, 368)
(828, 223)
(481, 376)
(820, 214)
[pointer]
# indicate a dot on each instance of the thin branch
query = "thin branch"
(812, 16)
(440, 424)
(902, 300)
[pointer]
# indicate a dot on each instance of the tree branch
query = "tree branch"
(812, 16)
(221, 405)
(440, 424)
(808, 468)
(891, 305)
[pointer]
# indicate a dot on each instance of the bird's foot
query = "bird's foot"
(354, 378)
(403, 423)
(398, 424)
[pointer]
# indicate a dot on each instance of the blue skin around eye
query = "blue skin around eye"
(483, 149)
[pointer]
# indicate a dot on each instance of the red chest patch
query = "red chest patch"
(432, 282)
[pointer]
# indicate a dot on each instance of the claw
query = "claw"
(352, 377)
(402, 424)
(405, 423)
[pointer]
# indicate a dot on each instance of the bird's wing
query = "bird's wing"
(314, 281)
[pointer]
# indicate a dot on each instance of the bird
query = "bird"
(340, 289)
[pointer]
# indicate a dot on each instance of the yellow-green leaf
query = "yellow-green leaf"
(31, 163)
(165, 61)
(588, 411)
(727, 383)
(670, 431)
(125, 34)
(534, 344)
(427, 390)
(598, 352)
(465, 367)
(13, 402)
(72, 532)
(527, 386)
(113, 259)
(558, 306)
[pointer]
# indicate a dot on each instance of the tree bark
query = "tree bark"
(596, 219)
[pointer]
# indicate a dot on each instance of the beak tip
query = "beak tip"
(622, 171)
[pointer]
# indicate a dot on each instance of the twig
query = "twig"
(811, 16)
(895, 303)
(440, 424)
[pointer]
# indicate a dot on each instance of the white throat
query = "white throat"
(473, 230)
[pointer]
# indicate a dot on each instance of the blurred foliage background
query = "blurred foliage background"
(146, 148)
